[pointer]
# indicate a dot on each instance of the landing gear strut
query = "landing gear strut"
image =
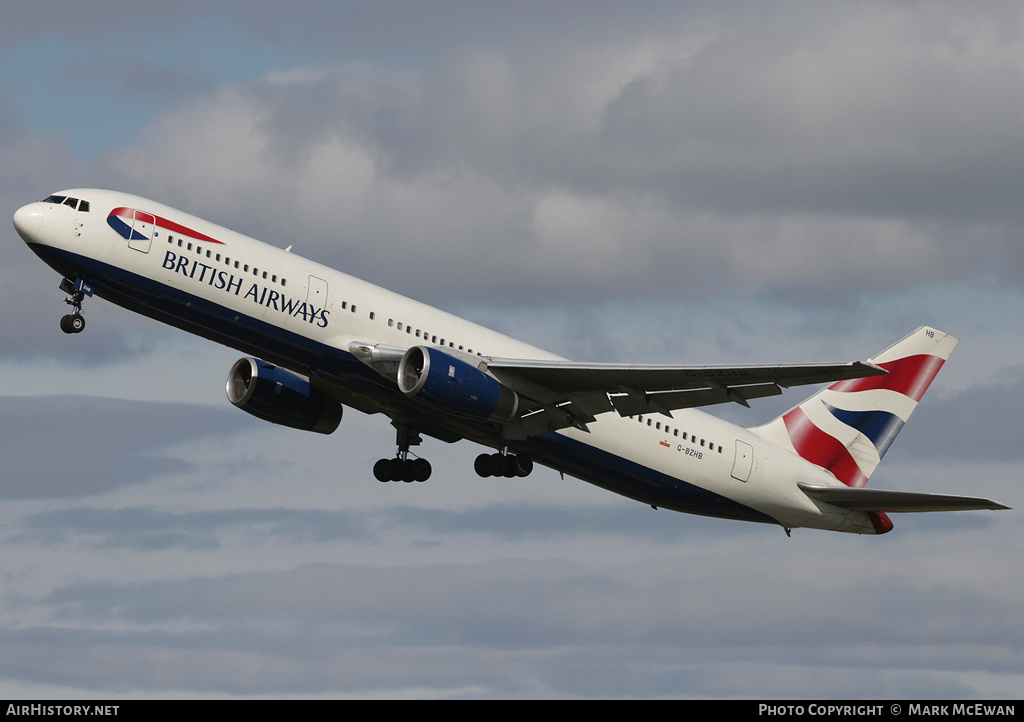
(403, 468)
(73, 322)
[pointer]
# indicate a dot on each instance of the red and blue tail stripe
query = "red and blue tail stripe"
(848, 427)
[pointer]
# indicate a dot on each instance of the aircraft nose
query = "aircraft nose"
(27, 220)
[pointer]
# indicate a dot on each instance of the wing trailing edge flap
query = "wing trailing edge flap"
(861, 499)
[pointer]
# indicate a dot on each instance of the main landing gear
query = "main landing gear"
(408, 469)
(403, 468)
(507, 465)
(72, 322)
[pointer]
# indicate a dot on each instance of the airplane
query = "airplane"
(317, 340)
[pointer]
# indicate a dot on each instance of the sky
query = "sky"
(686, 182)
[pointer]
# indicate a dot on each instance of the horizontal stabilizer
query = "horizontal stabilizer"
(882, 500)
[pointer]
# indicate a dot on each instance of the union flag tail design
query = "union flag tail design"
(848, 427)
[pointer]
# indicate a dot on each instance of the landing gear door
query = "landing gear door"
(143, 227)
(744, 461)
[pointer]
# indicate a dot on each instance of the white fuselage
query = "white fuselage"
(304, 316)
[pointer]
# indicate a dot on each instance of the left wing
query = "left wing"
(556, 394)
(567, 393)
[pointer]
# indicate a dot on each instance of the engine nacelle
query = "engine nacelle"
(281, 397)
(455, 385)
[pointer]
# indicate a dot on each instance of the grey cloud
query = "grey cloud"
(139, 77)
(74, 446)
(518, 604)
(980, 423)
(145, 529)
(148, 529)
(759, 162)
(549, 626)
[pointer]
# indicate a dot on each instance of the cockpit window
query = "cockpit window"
(69, 201)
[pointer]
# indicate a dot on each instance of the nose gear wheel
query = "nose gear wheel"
(72, 322)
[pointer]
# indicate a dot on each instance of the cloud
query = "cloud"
(976, 423)
(60, 447)
(548, 628)
(762, 161)
(146, 529)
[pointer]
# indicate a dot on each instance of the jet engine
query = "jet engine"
(454, 385)
(281, 397)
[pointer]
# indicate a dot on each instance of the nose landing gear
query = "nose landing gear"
(77, 291)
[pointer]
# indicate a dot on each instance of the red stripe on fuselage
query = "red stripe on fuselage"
(166, 224)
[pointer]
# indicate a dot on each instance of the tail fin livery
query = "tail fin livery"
(848, 427)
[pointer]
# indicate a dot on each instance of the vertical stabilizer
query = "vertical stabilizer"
(848, 427)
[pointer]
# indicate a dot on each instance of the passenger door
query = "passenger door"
(143, 227)
(744, 461)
